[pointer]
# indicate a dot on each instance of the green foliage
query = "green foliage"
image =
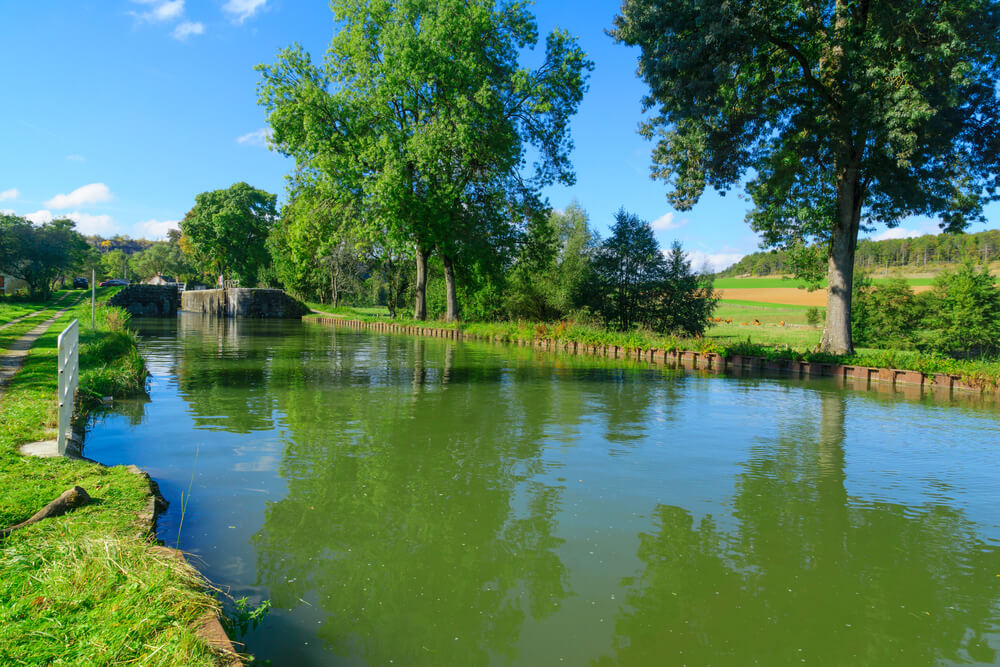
(842, 111)
(814, 316)
(165, 259)
(964, 312)
(38, 254)
(687, 300)
(229, 228)
(244, 616)
(885, 315)
(639, 286)
(113, 264)
(415, 130)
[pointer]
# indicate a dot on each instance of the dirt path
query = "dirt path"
(13, 357)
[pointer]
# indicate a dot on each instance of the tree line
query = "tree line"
(928, 252)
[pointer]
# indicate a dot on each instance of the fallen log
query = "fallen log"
(71, 499)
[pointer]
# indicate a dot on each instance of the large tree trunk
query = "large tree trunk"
(840, 265)
(420, 308)
(451, 296)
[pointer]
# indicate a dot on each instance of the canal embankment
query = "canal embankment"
(913, 372)
(89, 586)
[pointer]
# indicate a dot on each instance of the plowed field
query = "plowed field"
(789, 295)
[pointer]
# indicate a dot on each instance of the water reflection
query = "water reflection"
(809, 574)
(432, 502)
(415, 525)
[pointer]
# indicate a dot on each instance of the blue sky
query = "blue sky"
(118, 112)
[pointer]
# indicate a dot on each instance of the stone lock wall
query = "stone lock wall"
(148, 300)
(243, 302)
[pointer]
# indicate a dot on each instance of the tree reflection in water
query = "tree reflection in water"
(422, 544)
(809, 574)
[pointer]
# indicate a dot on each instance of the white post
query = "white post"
(68, 345)
(93, 295)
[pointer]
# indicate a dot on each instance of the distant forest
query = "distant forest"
(930, 251)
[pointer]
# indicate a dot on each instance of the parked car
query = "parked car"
(80, 283)
(113, 282)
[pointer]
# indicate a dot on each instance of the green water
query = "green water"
(426, 502)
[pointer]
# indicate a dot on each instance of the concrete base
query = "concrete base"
(49, 449)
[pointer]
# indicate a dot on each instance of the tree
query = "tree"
(886, 315)
(229, 228)
(965, 312)
(848, 113)
(420, 119)
(630, 267)
(114, 264)
(687, 300)
(38, 254)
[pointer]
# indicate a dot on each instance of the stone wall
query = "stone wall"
(243, 302)
(148, 300)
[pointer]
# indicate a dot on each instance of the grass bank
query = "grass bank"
(85, 588)
(980, 373)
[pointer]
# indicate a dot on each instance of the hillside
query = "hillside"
(923, 254)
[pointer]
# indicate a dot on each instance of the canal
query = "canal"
(414, 501)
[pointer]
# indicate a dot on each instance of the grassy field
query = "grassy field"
(85, 588)
(12, 308)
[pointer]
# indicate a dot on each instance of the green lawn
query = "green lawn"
(12, 308)
(801, 337)
(767, 313)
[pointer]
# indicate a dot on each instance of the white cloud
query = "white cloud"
(256, 138)
(75, 158)
(243, 9)
(86, 223)
(714, 261)
(38, 217)
(188, 28)
(163, 10)
(898, 233)
(154, 230)
(89, 225)
(169, 10)
(7, 211)
(667, 221)
(88, 195)
(13, 193)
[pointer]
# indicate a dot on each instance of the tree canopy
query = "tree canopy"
(846, 113)
(420, 120)
(639, 286)
(38, 254)
(229, 230)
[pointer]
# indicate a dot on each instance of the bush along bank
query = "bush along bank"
(896, 366)
(88, 587)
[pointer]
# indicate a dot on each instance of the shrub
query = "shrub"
(815, 316)
(886, 315)
(964, 313)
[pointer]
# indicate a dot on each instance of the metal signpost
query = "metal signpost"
(69, 376)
